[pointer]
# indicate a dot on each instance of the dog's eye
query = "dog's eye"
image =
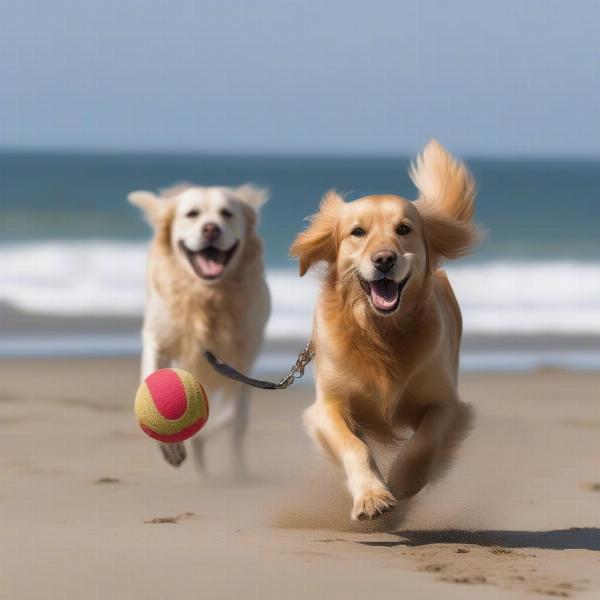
(226, 213)
(403, 229)
(357, 232)
(192, 214)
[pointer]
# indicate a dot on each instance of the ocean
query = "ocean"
(72, 250)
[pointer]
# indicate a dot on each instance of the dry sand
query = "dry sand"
(89, 510)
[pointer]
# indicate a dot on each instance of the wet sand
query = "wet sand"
(88, 508)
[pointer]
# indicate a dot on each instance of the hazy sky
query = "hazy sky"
(485, 77)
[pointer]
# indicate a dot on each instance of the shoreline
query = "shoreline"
(29, 335)
(105, 337)
(278, 356)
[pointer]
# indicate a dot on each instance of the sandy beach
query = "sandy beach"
(88, 508)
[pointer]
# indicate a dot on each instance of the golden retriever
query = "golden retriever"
(387, 329)
(206, 289)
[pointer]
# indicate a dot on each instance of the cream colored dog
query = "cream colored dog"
(387, 329)
(206, 289)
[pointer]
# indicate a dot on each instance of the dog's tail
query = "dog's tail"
(444, 182)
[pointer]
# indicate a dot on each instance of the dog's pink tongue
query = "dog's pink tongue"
(384, 293)
(210, 267)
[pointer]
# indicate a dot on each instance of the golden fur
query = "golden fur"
(378, 373)
(186, 314)
(207, 314)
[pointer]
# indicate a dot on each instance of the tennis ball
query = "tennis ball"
(171, 405)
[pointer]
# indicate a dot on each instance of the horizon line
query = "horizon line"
(283, 154)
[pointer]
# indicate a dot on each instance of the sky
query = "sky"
(511, 77)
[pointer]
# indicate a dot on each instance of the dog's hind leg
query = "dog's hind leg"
(223, 415)
(199, 450)
(430, 450)
(238, 432)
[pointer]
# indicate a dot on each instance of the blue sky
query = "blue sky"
(377, 77)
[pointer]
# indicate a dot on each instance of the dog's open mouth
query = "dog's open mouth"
(384, 293)
(210, 262)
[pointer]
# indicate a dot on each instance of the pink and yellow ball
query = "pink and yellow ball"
(171, 405)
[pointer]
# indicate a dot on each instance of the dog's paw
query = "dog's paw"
(174, 454)
(371, 504)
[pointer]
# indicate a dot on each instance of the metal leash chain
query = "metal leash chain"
(297, 371)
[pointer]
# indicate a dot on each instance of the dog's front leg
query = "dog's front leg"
(327, 424)
(152, 360)
(430, 450)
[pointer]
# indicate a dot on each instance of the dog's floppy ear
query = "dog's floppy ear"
(446, 203)
(318, 241)
(155, 208)
(252, 196)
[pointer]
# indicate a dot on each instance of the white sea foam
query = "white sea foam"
(107, 278)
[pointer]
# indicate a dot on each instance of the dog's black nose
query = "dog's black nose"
(384, 260)
(211, 231)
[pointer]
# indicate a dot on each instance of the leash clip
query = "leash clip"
(297, 371)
